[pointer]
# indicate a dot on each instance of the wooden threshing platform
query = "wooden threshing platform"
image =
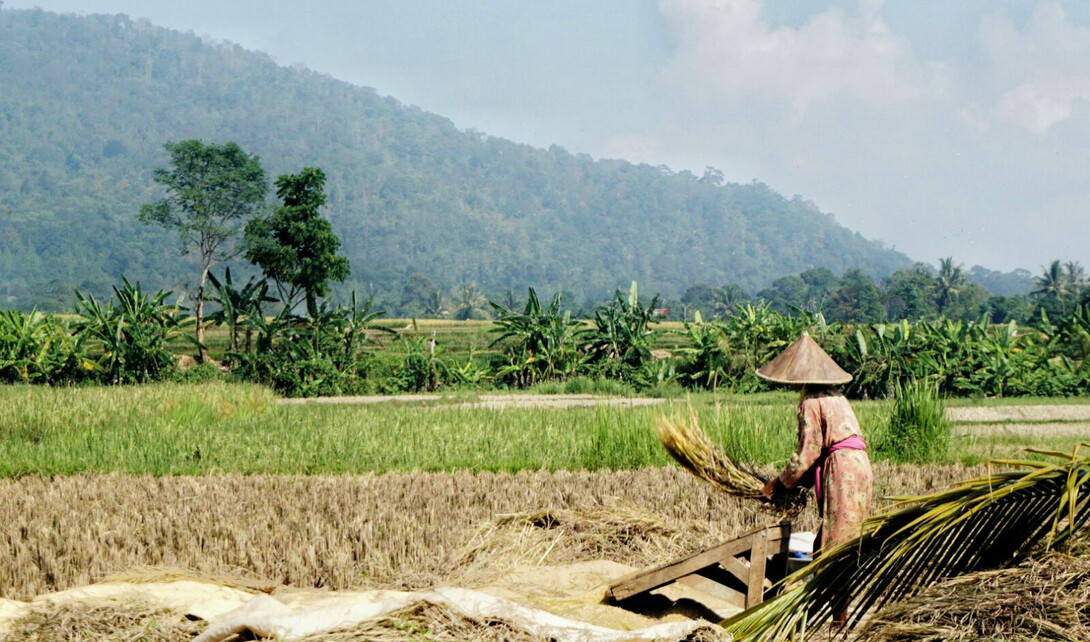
(736, 571)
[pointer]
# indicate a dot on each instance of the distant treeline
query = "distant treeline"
(921, 292)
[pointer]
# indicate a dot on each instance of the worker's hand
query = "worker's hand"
(771, 487)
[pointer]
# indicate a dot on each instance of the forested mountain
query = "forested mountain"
(86, 103)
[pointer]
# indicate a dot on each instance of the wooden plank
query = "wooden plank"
(735, 567)
(756, 584)
(649, 579)
(715, 589)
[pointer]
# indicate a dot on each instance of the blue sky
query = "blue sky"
(941, 128)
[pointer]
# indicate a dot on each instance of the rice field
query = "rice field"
(219, 479)
(174, 429)
(190, 429)
(395, 530)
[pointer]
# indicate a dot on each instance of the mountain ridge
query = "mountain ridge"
(86, 103)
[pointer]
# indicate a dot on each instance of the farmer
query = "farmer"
(831, 454)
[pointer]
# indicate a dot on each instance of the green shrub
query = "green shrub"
(200, 373)
(539, 344)
(583, 385)
(310, 357)
(917, 431)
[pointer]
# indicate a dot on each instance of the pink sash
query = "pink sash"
(855, 442)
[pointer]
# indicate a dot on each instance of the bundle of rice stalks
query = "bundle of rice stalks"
(683, 438)
(1047, 599)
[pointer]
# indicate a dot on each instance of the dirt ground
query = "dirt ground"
(997, 414)
(984, 414)
(1029, 422)
(1028, 430)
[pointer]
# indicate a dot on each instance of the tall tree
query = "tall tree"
(415, 293)
(469, 303)
(727, 300)
(296, 247)
(1053, 285)
(857, 300)
(908, 293)
(1076, 276)
(212, 190)
(948, 283)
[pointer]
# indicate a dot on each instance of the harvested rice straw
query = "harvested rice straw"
(689, 446)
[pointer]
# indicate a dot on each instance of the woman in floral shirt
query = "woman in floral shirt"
(831, 455)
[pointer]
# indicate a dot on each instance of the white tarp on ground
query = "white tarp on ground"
(265, 616)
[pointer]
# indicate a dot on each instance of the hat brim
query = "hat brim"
(804, 362)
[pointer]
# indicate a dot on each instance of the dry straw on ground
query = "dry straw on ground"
(428, 622)
(558, 536)
(65, 622)
(1047, 599)
(398, 530)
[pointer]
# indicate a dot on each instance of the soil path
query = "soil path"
(1031, 430)
(488, 401)
(996, 414)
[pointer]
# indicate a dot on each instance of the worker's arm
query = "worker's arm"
(810, 443)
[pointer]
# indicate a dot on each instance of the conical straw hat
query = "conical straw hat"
(804, 362)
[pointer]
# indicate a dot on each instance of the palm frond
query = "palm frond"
(980, 524)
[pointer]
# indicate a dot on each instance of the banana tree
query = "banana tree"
(540, 342)
(236, 304)
(131, 332)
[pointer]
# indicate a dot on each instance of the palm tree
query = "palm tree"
(948, 283)
(1053, 284)
(1076, 276)
(433, 304)
(727, 300)
(469, 303)
(984, 523)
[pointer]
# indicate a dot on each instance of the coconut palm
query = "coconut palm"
(980, 524)
(727, 299)
(1053, 284)
(948, 283)
(1076, 276)
(434, 306)
(470, 303)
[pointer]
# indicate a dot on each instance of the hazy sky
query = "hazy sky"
(942, 128)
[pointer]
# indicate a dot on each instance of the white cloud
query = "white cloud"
(974, 150)
(1039, 76)
(727, 49)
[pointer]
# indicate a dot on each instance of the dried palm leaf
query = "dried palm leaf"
(984, 523)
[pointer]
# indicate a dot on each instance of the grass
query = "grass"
(917, 429)
(171, 429)
(180, 429)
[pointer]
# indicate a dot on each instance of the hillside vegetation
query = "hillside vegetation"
(86, 103)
